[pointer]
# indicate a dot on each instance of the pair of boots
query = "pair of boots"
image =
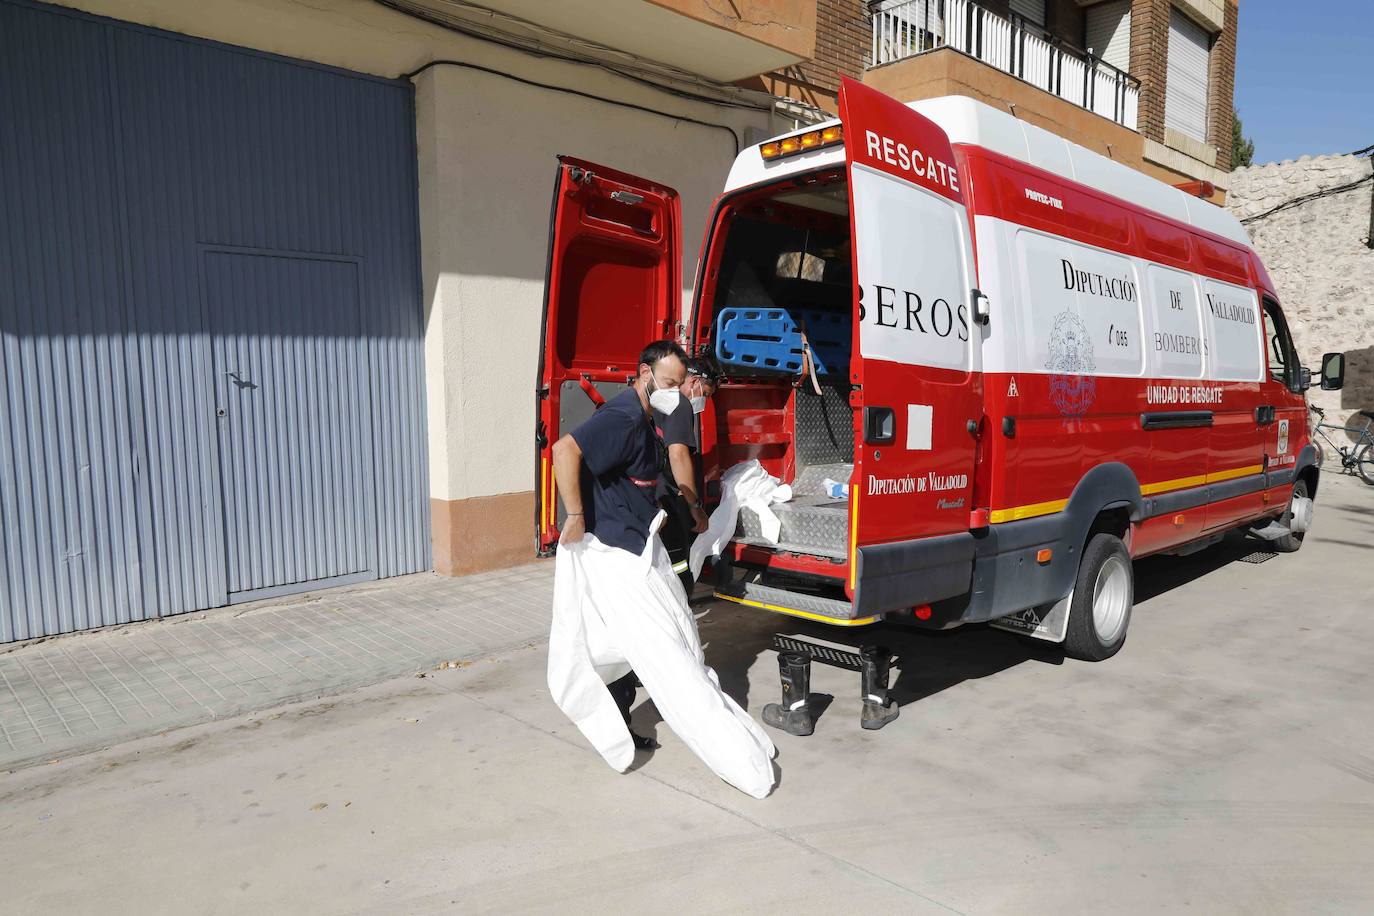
(793, 714)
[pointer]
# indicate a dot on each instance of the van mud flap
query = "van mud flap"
(1048, 622)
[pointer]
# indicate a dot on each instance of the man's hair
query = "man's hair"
(707, 368)
(660, 349)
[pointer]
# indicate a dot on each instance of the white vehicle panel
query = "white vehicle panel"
(1082, 308)
(1233, 332)
(911, 246)
(1175, 319)
(1172, 331)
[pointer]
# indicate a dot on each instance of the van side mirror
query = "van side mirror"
(1333, 371)
(982, 308)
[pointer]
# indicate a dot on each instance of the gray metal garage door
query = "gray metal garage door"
(210, 325)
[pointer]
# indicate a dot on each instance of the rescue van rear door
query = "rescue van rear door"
(613, 284)
(918, 356)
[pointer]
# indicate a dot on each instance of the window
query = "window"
(912, 254)
(1107, 33)
(1175, 342)
(1032, 10)
(1231, 318)
(1185, 91)
(1283, 361)
(1081, 308)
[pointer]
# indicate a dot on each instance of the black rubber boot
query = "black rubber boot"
(879, 709)
(623, 692)
(793, 714)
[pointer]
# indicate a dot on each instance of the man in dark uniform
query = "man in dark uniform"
(678, 495)
(608, 470)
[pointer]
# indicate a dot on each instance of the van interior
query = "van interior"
(776, 311)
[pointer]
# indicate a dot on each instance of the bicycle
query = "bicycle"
(1357, 459)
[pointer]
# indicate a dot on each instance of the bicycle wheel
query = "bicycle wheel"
(1364, 464)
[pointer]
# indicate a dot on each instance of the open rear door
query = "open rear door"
(917, 359)
(613, 284)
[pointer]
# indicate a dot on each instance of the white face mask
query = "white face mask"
(664, 400)
(698, 405)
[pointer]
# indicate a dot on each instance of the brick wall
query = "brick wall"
(1150, 62)
(843, 40)
(1221, 87)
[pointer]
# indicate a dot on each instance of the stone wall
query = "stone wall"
(1318, 256)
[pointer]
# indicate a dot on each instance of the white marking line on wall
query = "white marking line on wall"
(919, 419)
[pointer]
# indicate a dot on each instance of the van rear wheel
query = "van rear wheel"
(1103, 594)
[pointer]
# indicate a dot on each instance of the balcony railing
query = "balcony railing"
(905, 28)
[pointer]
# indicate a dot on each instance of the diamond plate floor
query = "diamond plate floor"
(88, 690)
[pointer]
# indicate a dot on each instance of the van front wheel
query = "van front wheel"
(1103, 594)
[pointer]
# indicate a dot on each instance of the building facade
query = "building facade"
(1145, 82)
(276, 269)
(274, 274)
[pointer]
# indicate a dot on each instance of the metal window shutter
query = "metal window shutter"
(1185, 93)
(1109, 33)
(1034, 10)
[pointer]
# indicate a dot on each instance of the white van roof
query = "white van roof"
(970, 121)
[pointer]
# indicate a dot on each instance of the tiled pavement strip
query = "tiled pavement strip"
(89, 690)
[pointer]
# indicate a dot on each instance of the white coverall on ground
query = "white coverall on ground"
(613, 611)
(745, 486)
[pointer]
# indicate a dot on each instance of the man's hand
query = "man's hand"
(574, 529)
(700, 522)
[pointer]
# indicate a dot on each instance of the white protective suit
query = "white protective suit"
(613, 611)
(745, 486)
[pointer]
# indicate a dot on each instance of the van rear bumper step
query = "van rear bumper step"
(796, 604)
(819, 652)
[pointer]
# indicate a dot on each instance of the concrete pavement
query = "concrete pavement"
(1221, 763)
(74, 693)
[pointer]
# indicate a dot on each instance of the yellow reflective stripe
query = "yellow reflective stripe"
(1235, 472)
(1178, 483)
(544, 481)
(853, 535)
(681, 568)
(1164, 486)
(793, 612)
(1031, 511)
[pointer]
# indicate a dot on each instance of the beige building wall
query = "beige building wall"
(486, 146)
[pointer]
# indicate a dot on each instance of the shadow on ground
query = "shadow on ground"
(926, 662)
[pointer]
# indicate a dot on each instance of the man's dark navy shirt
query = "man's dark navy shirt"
(678, 427)
(621, 458)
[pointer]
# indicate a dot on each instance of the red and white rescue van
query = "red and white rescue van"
(1030, 364)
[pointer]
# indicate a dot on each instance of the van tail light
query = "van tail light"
(922, 612)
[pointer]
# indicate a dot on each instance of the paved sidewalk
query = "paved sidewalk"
(88, 690)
